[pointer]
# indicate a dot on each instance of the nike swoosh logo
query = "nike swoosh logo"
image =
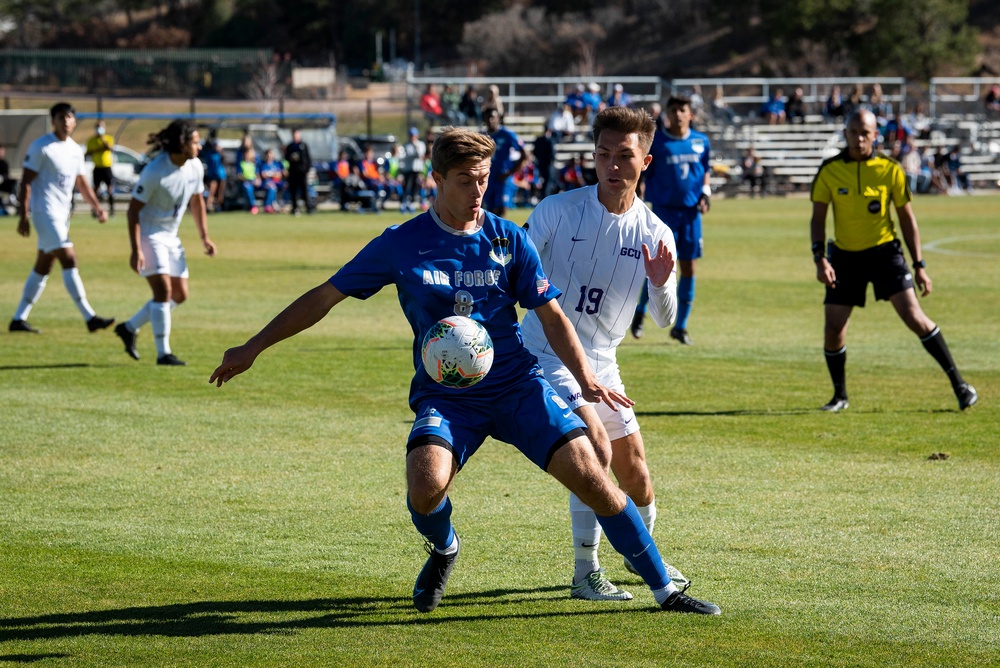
(575, 239)
(629, 420)
(418, 592)
(566, 415)
(424, 252)
(640, 553)
(588, 544)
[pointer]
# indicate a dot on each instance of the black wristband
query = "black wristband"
(919, 264)
(817, 249)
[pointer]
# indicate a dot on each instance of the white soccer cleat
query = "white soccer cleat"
(596, 587)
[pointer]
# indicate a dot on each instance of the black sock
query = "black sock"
(935, 345)
(836, 360)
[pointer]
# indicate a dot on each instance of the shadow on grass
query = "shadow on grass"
(74, 365)
(206, 618)
(30, 658)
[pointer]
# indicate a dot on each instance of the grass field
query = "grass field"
(150, 519)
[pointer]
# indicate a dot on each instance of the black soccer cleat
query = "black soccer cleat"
(97, 322)
(128, 337)
(836, 404)
(682, 336)
(681, 602)
(967, 396)
(170, 360)
(429, 588)
(22, 326)
(636, 327)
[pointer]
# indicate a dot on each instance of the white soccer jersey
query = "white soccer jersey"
(166, 189)
(57, 164)
(595, 258)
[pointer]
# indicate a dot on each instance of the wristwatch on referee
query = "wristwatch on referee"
(818, 251)
(919, 264)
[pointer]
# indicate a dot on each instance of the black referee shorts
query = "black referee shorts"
(884, 266)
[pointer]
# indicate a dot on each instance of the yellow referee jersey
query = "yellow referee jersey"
(99, 150)
(860, 193)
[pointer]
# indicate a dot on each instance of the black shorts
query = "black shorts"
(102, 175)
(883, 266)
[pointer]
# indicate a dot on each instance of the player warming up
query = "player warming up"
(456, 259)
(677, 185)
(600, 243)
(53, 166)
(860, 183)
(167, 187)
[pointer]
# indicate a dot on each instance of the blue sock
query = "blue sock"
(628, 535)
(643, 298)
(685, 296)
(436, 526)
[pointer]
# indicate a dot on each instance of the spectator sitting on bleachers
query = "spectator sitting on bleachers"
(697, 105)
(754, 173)
(992, 102)
(430, 104)
(248, 177)
(879, 106)
(918, 122)
(619, 98)
(773, 111)
(834, 109)
(594, 102)
(525, 180)
(373, 177)
(470, 105)
(562, 124)
(720, 108)
(272, 180)
(959, 179)
(795, 107)
(571, 175)
(911, 165)
(492, 100)
(853, 101)
(450, 103)
(895, 129)
(577, 103)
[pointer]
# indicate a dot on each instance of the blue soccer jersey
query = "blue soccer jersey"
(510, 148)
(439, 273)
(676, 174)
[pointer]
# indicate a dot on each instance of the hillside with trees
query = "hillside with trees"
(669, 38)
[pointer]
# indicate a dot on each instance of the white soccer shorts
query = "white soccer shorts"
(618, 424)
(51, 235)
(163, 257)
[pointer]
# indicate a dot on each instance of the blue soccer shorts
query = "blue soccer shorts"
(530, 416)
(685, 223)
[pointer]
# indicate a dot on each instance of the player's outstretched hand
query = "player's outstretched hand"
(660, 266)
(613, 398)
(234, 362)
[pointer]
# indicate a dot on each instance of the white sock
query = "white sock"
(452, 546)
(662, 595)
(33, 288)
(74, 286)
(586, 538)
(648, 515)
(141, 316)
(159, 317)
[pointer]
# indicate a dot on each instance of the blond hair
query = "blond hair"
(455, 147)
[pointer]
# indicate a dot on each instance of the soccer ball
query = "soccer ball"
(457, 352)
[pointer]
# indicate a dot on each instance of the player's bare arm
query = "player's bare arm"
(911, 236)
(200, 213)
(24, 197)
(562, 336)
(135, 260)
(817, 227)
(300, 315)
(91, 197)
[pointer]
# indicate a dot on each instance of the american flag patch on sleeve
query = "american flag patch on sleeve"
(542, 285)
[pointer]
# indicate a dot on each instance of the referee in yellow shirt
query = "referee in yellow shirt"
(99, 150)
(860, 183)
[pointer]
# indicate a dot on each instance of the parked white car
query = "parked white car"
(125, 167)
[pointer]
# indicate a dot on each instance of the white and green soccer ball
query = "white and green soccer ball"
(457, 352)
